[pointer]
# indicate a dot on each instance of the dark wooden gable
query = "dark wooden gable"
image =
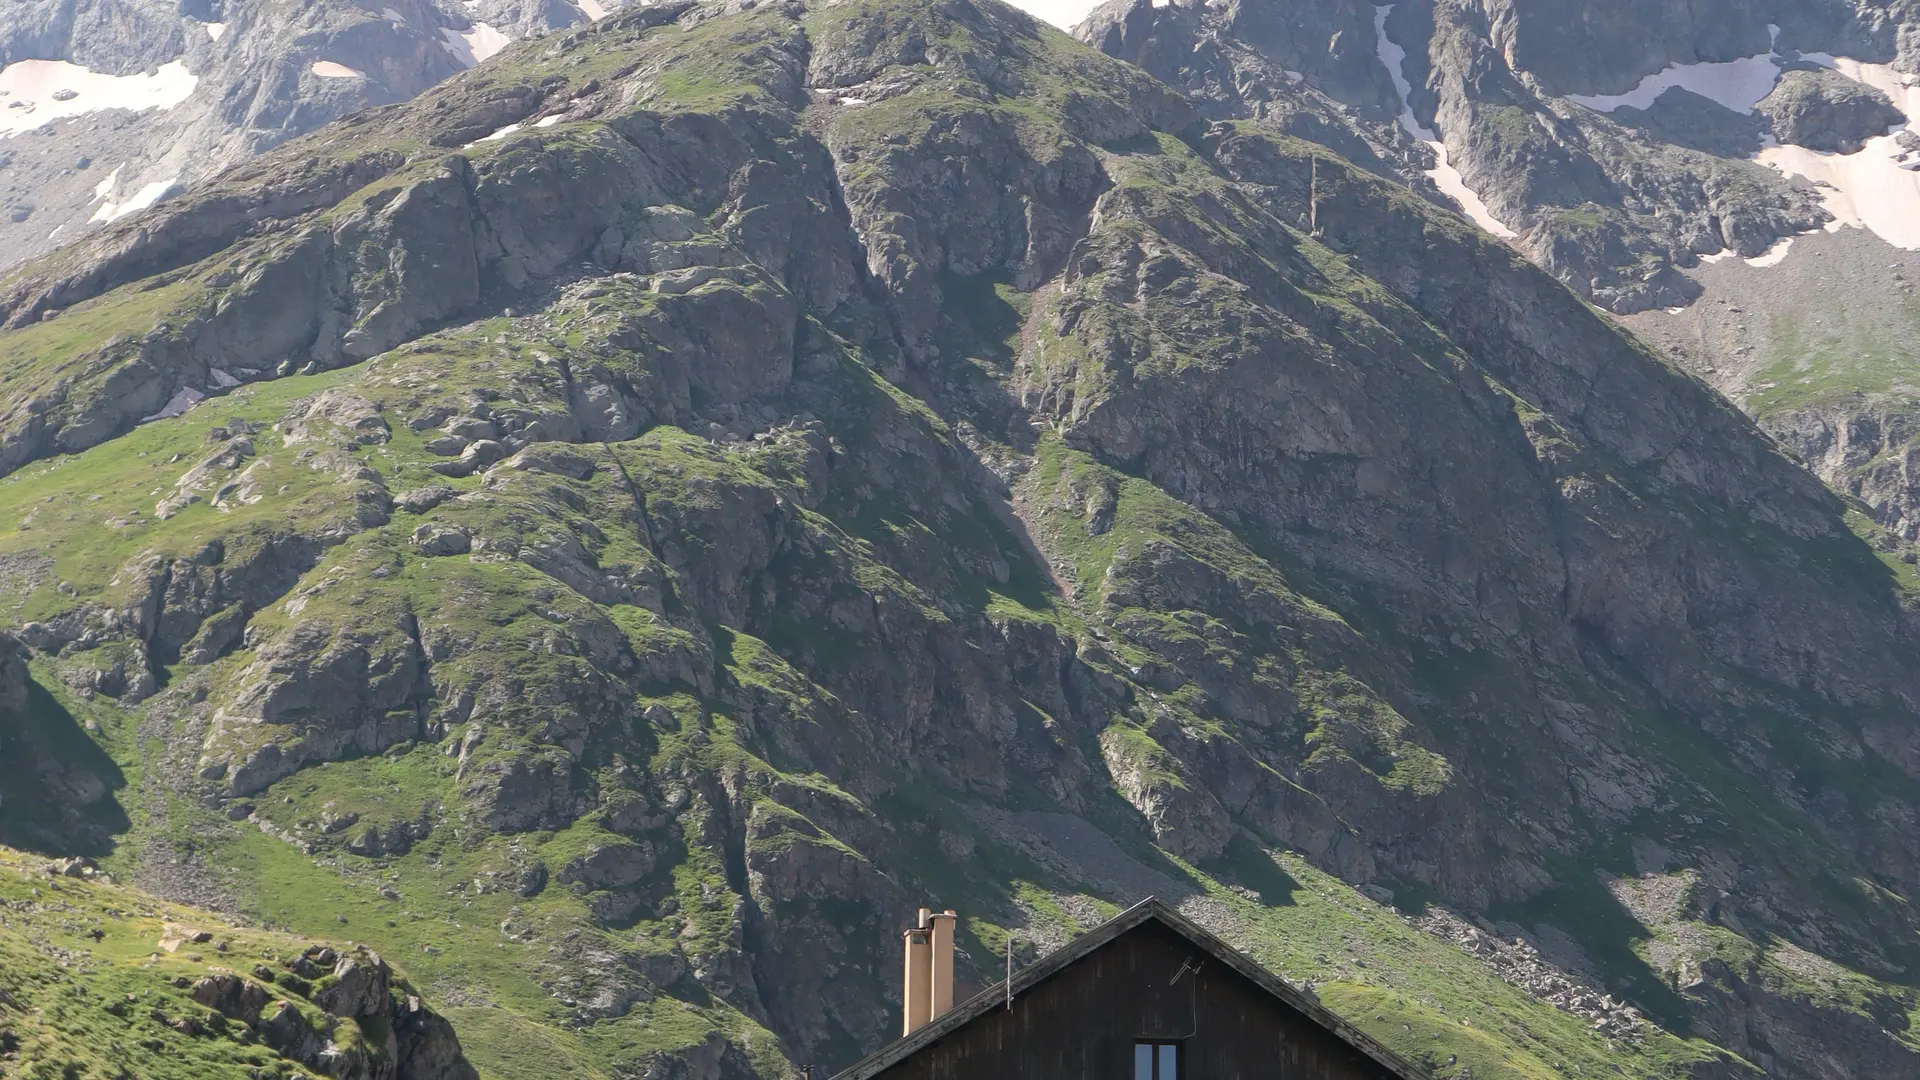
(1148, 975)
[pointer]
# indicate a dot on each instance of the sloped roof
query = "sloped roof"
(1148, 910)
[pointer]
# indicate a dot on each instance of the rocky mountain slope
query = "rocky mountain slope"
(1617, 146)
(102, 980)
(1738, 181)
(109, 106)
(1822, 350)
(624, 527)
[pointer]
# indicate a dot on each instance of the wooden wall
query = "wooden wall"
(1082, 1024)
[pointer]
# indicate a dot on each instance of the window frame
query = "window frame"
(1179, 1048)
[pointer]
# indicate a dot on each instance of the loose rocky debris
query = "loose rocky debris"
(1519, 963)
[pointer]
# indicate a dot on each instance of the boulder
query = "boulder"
(1826, 111)
(361, 986)
(232, 996)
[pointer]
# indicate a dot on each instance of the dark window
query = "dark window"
(1156, 1061)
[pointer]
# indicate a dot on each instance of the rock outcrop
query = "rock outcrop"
(1824, 110)
(69, 1002)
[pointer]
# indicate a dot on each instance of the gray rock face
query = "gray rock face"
(57, 790)
(13, 680)
(360, 987)
(1813, 347)
(1824, 110)
(232, 996)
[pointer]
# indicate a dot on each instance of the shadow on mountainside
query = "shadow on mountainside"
(57, 787)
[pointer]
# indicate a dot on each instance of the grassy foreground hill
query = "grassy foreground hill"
(683, 494)
(100, 980)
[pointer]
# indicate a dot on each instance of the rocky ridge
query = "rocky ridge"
(670, 500)
(109, 106)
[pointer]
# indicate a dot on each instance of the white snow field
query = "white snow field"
(327, 69)
(1874, 188)
(592, 10)
(1737, 84)
(1443, 174)
(472, 46)
(1869, 189)
(139, 200)
(30, 88)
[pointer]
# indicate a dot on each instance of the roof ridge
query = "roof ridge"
(1150, 908)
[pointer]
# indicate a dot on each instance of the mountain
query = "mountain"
(627, 525)
(109, 106)
(1738, 180)
(1617, 147)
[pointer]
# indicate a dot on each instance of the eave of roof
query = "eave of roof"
(1148, 910)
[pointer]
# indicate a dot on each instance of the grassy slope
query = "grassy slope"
(88, 990)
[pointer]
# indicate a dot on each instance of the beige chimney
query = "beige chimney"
(929, 971)
(942, 969)
(919, 977)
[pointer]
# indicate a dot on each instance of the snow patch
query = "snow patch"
(41, 85)
(547, 121)
(1443, 174)
(497, 135)
(1774, 255)
(327, 69)
(1868, 190)
(177, 405)
(105, 187)
(592, 10)
(393, 16)
(470, 47)
(215, 29)
(145, 197)
(1875, 188)
(1737, 84)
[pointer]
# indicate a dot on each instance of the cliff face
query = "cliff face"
(682, 494)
